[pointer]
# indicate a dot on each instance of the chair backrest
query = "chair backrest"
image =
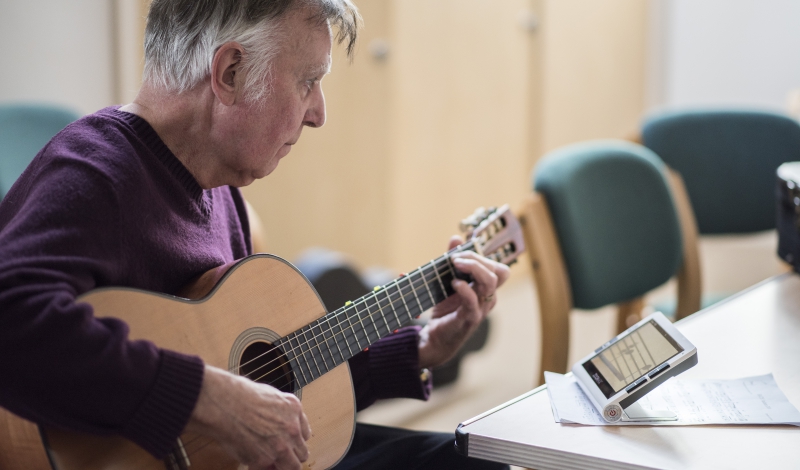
(605, 225)
(615, 219)
(728, 161)
(24, 130)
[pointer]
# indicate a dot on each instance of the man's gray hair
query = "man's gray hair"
(182, 37)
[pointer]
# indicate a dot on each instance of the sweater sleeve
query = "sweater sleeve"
(62, 366)
(389, 369)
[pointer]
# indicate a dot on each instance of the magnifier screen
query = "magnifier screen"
(631, 357)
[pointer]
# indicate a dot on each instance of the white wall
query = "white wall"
(57, 51)
(724, 53)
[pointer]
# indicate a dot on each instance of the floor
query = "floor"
(508, 365)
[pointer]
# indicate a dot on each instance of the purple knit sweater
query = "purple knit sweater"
(106, 203)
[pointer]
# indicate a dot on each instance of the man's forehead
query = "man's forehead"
(308, 44)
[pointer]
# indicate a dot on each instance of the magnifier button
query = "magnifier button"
(658, 370)
(635, 385)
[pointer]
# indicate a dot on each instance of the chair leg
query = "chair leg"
(689, 280)
(552, 283)
(628, 313)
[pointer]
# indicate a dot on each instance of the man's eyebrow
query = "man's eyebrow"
(319, 70)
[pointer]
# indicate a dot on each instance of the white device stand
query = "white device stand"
(635, 413)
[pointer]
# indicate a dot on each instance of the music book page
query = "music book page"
(749, 400)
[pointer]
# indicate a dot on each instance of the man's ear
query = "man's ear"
(226, 72)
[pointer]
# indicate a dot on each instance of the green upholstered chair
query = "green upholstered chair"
(605, 226)
(24, 130)
(728, 161)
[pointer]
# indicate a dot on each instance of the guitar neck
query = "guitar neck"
(320, 346)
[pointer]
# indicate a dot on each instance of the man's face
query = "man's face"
(265, 130)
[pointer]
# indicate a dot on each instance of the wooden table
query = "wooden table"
(752, 333)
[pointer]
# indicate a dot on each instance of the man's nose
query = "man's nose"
(315, 114)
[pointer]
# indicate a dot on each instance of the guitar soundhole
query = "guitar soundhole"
(264, 363)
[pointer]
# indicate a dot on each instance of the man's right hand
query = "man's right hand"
(261, 426)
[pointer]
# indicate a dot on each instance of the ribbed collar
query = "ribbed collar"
(151, 139)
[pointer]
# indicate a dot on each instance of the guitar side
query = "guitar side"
(20, 444)
(260, 293)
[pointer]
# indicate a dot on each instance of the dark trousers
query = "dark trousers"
(379, 447)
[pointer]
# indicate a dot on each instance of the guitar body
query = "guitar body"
(255, 296)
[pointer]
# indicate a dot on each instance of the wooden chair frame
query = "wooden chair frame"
(552, 282)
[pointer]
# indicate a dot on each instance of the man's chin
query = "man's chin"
(284, 150)
(243, 181)
(257, 175)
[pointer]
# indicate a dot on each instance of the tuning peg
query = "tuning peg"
(468, 224)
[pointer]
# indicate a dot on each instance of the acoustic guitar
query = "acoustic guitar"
(260, 318)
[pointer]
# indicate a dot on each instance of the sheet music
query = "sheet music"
(750, 400)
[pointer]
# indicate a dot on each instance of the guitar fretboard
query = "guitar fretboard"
(334, 338)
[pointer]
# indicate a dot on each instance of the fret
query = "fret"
(447, 277)
(297, 347)
(452, 267)
(403, 298)
(324, 350)
(353, 327)
(439, 278)
(411, 283)
(391, 304)
(332, 337)
(374, 326)
(427, 287)
(344, 334)
(363, 326)
(294, 346)
(436, 289)
(294, 342)
(383, 316)
(309, 337)
(299, 379)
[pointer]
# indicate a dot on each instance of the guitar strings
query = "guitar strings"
(436, 274)
(343, 334)
(348, 320)
(445, 258)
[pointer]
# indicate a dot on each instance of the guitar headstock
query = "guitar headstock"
(496, 233)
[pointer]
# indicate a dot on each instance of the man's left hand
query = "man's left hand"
(455, 319)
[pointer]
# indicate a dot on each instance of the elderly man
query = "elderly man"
(145, 195)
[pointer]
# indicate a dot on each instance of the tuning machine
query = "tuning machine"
(470, 223)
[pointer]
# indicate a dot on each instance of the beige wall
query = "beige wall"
(460, 102)
(593, 69)
(129, 18)
(455, 117)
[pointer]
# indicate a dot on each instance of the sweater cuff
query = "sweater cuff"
(165, 412)
(394, 367)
